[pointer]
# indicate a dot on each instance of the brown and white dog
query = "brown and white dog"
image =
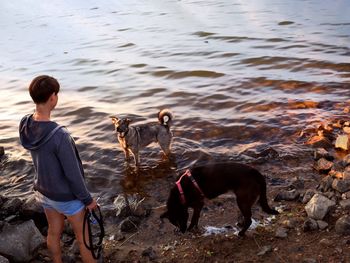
(210, 181)
(133, 138)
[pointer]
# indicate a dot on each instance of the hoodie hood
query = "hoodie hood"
(33, 134)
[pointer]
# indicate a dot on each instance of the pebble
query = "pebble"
(287, 195)
(310, 225)
(341, 186)
(309, 260)
(322, 224)
(281, 232)
(323, 165)
(308, 195)
(150, 253)
(290, 223)
(342, 226)
(346, 159)
(326, 242)
(264, 250)
(322, 153)
(345, 204)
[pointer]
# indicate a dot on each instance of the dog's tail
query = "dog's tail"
(165, 117)
(263, 198)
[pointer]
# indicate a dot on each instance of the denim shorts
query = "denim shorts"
(67, 208)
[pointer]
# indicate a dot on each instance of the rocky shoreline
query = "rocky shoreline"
(325, 207)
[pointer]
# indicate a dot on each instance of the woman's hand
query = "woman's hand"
(92, 205)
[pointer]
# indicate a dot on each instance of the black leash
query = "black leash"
(93, 218)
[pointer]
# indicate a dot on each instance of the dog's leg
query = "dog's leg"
(247, 214)
(240, 220)
(165, 146)
(135, 154)
(126, 154)
(245, 203)
(195, 216)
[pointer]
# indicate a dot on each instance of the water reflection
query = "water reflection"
(238, 75)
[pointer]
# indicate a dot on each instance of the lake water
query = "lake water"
(239, 76)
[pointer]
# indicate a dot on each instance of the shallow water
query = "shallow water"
(238, 76)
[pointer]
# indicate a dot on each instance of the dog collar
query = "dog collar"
(125, 133)
(179, 187)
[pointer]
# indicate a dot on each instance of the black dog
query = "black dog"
(211, 181)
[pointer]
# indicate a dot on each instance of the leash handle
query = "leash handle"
(89, 217)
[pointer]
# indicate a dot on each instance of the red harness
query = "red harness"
(178, 184)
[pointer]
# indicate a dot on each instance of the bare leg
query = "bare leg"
(77, 222)
(56, 225)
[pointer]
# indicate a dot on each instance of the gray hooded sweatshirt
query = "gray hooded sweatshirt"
(59, 171)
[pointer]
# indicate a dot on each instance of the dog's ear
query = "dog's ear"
(128, 121)
(164, 215)
(114, 119)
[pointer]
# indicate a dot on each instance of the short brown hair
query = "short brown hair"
(42, 87)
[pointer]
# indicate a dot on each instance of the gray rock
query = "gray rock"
(297, 183)
(310, 225)
(342, 226)
(345, 204)
(322, 224)
(308, 195)
(319, 206)
(323, 165)
(346, 195)
(337, 170)
(330, 195)
(130, 224)
(322, 153)
(31, 206)
(20, 242)
(149, 253)
(264, 250)
(12, 206)
(346, 173)
(326, 242)
(290, 223)
(325, 184)
(346, 159)
(287, 195)
(129, 206)
(281, 232)
(122, 206)
(341, 186)
(4, 260)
